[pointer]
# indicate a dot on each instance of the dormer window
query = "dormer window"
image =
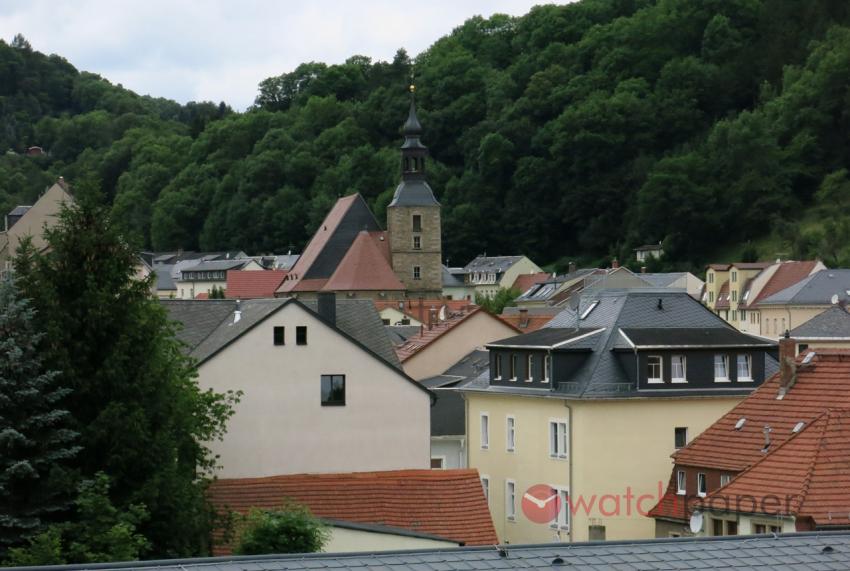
(498, 365)
(721, 368)
(654, 369)
(513, 368)
(529, 367)
(744, 368)
(678, 369)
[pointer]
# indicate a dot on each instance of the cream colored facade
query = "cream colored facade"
(617, 466)
(393, 316)
(737, 278)
(746, 524)
(347, 540)
(489, 284)
(190, 289)
(280, 427)
(475, 331)
(775, 319)
(43, 214)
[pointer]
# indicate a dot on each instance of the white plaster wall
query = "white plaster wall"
(344, 540)
(452, 450)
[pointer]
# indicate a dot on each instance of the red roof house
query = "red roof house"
(243, 284)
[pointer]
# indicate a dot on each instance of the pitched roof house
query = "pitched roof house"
(301, 412)
(441, 505)
(807, 298)
(488, 274)
(734, 454)
(830, 329)
(632, 373)
(243, 284)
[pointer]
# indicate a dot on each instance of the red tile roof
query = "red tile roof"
(723, 296)
(820, 385)
(786, 275)
(410, 307)
(806, 476)
(445, 503)
(366, 266)
(202, 295)
(524, 282)
(526, 323)
(426, 336)
(246, 284)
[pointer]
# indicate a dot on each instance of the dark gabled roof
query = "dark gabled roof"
(831, 324)
(544, 291)
(217, 265)
(548, 338)
(691, 337)
(450, 278)
(816, 289)
(415, 192)
(648, 247)
(662, 279)
(164, 279)
(497, 264)
(782, 552)
(19, 210)
(448, 415)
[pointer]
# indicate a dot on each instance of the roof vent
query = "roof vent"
(660, 303)
(767, 430)
(798, 427)
(740, 424)
(557, 561)
(827, 549)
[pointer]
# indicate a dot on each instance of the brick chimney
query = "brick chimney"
(643, 269)
(432, 317)
(787, 364)
(572, 267)
(615, 264)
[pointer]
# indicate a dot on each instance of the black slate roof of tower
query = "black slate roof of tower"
(414, 193)
(783, 552)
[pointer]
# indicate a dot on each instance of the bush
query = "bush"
(291, 530)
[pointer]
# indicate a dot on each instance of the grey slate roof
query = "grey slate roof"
(164, 279)
(498, 264)
(816, 289)
(448, 415)
(550, 337)
(785, 552)
(545, 290)
(216, 265)
(450, 278)
(832, 323)
(398, 334)
(692, 337)
(414, 192)
(207, 325)
(663, 279)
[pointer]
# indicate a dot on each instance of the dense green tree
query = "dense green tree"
(292, 529)
(141, 416)
(36, 444)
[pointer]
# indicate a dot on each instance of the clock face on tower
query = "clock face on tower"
(541, 503)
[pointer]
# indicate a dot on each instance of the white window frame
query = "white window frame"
(702, 485)
(512, 366)
(498, 367)
(417, 272)
(725, 479)
(547, 363)
(748, 359)
(681, 482)
(417, 242)
(529, 365)
(484, 425)
(562, 519)
(673, 377)
(510, 433)
(510, 499)
(655, 380)
(485, 485)
(559, 445)
(442, 460)
(724, 379)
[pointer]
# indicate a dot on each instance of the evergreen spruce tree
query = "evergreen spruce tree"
(35, 442)
(142, 418)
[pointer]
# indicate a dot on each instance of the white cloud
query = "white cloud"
(194, 50)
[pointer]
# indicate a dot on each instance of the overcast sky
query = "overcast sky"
(216, 50)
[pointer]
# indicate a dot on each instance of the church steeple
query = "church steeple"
(413, 190)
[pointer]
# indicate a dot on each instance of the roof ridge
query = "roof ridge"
(807, 481)
(597, 355)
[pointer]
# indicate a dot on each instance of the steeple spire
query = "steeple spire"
(413, 189)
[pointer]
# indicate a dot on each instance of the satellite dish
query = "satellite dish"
(834, 299)
(696, 522)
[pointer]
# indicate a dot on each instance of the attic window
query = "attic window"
(279, 335)
(798, 427)
(590, 308)
(740, 424)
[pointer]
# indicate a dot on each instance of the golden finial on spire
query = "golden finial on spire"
(412, 88)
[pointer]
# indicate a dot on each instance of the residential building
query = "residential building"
(30, 221)
(769, 281)
(442, 343)
(486, 275)
(528, 319)
(372, 511)
(791, 552)
(448, 415)
(302, 411)
(676, 280)
(250, 284)
(773, 441)
(591, 406)
(454, 286)
(168, 267)
(802, 301)
(725, 284)
(198, 280)
(828, 330)
(524, 282)
(418, 312)
(556, 290)
(647, 251)
(351, 255)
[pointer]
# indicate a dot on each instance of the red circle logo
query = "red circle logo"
(541, 503)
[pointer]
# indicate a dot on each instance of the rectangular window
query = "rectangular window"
(701, 487)
(711, 297)
(654, 369)
(731, 527)
(417, 273)
(279, 338)
(721, 369)
(563, 519)
(744, 368)
(711, 277)
(678, 369)
(437, 463)
(734, 315)
(333, 390)
(485, 430)
(301, 335)
(680, 437)
(510, 437)
(417, 242)
(529, 368)
(725, 479)
(681, 483)
(485, 483)
(558, 438)
(596, 533)
(761, 529)
(734, 277)
(510, 499)
(547, 364)
(513, 367)
(717, 527)
(417, 223)
(734, 295)
(498, 366)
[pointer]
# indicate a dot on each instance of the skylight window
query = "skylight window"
(740, 424)
(590, 308)
(798, 427)
(808, 358)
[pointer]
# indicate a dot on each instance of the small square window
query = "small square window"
(681, 437)
(333, 390)
(279, 338)
(301, 335)
(437, 463)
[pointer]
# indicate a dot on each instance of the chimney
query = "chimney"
(523, 318)
(787, 364)
(237, 313)
(421, 310)
(615, 264)
(327, 306)
(643, 269)
(432, 317)
(572, 267)
(767, 430)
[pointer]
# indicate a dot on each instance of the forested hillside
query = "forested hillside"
(573, 132)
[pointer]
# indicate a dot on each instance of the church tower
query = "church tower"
(413, 218)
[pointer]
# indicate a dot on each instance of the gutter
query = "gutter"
(570, 459)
